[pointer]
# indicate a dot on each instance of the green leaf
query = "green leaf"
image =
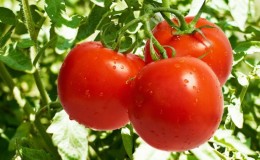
(109, 34)
(56, 11)
(7, 16)
(226, 139)
(239, 11)
(89, 24)
(69, 136)
(195, 7)
(205, 152)
(127, 137)
(22, 132)
(6, 37)
(32, 154)
(16, 59)
(25, 43)
(146, 152)
(248, 47)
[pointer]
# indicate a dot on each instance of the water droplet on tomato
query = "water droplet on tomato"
(114, 67)
(122, 67)
(194, 87)
(101, 94)
(186, 81)
(151, 92)
(87, 93)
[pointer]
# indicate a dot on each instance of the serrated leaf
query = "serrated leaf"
(127, 138)
(239, 11)
(56, 12)
(16, 59)
(33, 154)
(195, 7)
(205, 152)
(69, 136)
(146, 152)
(7, 16)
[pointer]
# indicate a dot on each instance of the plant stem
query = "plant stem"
(45, 98)
(29, 21)
(5, 75)
(166, 4)
(46, 137)
(149, 34)
(123, 29)
(178, 14)
(41, 51)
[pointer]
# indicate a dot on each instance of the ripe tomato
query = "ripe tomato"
(93, 88)
(216, 46)
(177, 105)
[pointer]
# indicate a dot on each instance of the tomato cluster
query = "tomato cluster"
(174, 104)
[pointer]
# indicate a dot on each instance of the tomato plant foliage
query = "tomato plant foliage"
(35, 38)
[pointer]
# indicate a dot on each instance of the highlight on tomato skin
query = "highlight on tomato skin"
(177, 104)
(92, 85)
(213, 47)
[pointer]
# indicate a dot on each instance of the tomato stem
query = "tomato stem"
(197, 16)
(166, 4)
(178, 14)
(122, 30)
(149, 34)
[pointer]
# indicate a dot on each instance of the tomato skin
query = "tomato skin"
(178, 103)
(93, 88)
(217, 48)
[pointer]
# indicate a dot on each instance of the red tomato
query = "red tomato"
(93, 88)
(178, 103)
(216, 46)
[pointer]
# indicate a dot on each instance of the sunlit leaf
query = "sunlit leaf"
(226, 139)
(239, 11)
(69, 136)
(205, 152)
(56, 11)
(195, 7)
(146, 152)
(127, 137)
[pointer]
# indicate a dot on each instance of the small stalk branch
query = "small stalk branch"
(5, 75)
(149, 34)
(166, 4)
(29, 21)
(45, 98)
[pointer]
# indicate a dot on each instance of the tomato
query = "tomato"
(215, 48)
(177, 103)
(93, 88)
